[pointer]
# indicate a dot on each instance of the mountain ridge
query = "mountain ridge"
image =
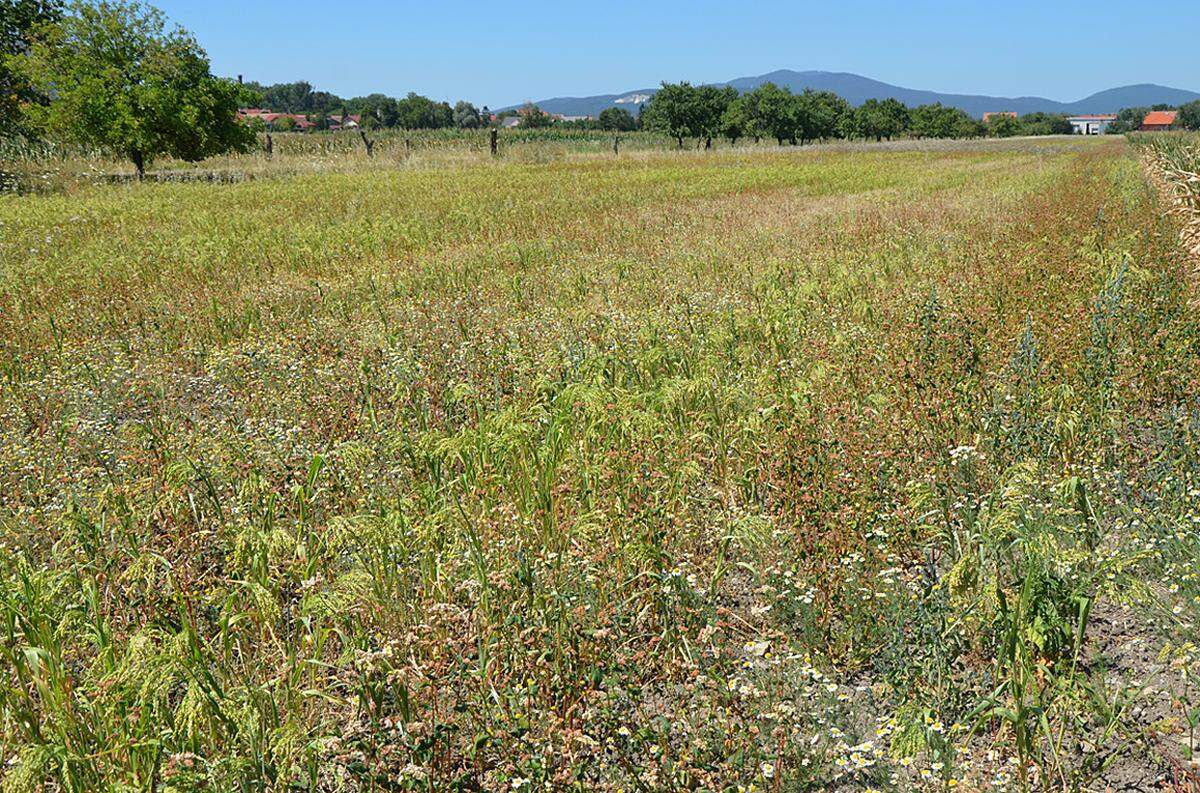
(856, 89)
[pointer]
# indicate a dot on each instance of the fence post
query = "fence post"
(269, 146)
(616, 144)
(495, 143)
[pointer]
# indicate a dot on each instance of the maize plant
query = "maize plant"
(1175, 161)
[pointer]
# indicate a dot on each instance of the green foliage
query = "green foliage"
(298, 97)
(1189, 116)
(466, 116)
(533, 117)
(674, 111)
(383, 109)
(819, 115)
(877, 119)
(1004, 126)
(617, 119)
(420, 112)
(810, 116)
(937, 121)
(711, 103)
(681, 110)
(122, 81)
(736, 122)
(773, 111)
(19, 19)
(1128, 120)
(1045, 124)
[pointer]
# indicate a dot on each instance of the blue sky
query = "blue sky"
(502, 52)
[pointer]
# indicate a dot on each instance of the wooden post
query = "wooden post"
(370, 144)
(269, 147)
(616, 145)
(495, 143)
(407, 146)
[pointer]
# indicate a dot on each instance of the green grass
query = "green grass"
(772, 469)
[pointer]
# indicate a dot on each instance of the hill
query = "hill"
(856, 89)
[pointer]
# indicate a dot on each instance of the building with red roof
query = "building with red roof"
(299, 120)
(1158, 120)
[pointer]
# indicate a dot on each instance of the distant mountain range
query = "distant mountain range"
(857, 89)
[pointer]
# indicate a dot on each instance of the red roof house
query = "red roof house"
(1158, 120)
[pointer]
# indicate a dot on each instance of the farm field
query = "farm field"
(776, 470)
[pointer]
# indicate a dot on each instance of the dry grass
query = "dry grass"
(752, 469)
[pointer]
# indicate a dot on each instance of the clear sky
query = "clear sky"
(505, 51)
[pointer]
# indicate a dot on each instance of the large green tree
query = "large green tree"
(1189, 115)
(773, 111)
(420, 112)
(18, 21)
(877, 119)
(466, 115)
(379, 107)
(710, 106)
(736, 122)
(1003, 126)
(938, 121)
(617, 119)
(121, 80)
(673, 111)
(1040, 123)
(819, 115)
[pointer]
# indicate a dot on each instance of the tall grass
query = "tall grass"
(858, 469)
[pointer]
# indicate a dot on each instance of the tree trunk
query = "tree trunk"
(370, 144)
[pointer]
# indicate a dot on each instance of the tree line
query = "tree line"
(413, 111)
(1130, 118)
(112, 74)
(683, 111)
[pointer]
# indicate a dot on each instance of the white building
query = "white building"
(1091, 124)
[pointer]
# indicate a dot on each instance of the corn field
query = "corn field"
(1176, 159)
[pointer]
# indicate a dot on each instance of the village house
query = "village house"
(299, 121)
(998, 113)
(1158, 121)
(350, 121)
(1091, 123)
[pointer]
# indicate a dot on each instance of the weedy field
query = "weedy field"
(740, 470)
(46, 166)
